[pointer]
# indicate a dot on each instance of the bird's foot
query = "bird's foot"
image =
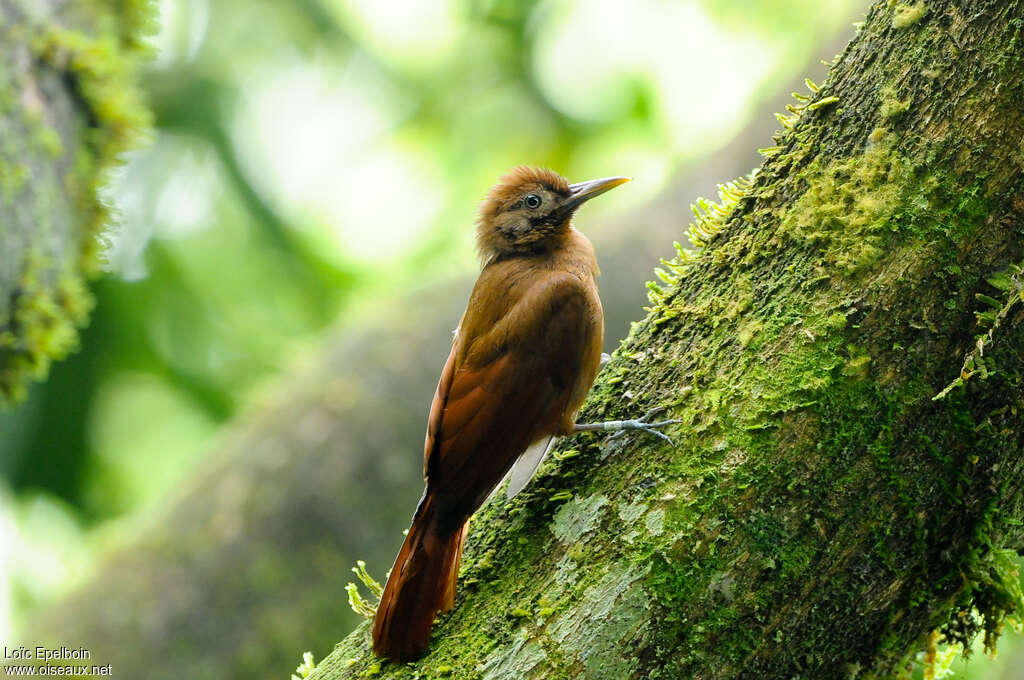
(605, 358)
(621, 427)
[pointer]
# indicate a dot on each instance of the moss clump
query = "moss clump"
(843, 216)
(990, 598)
(138, 19)
(905, 15)
(710, 219)
(892, 106)
(42, 326)
(359, 604)
(877, 135)
(305, 668)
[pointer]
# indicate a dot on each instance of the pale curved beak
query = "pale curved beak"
(584, 191)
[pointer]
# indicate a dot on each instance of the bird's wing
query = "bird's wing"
(438, 404)
(524, 467)
(511, 388)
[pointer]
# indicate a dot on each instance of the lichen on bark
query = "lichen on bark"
(69, 106)
(822, 514)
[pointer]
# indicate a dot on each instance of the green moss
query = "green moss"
(1009, 283)
(305, 668)
(857, 365)
(891, 106)
(822, 103)
(359, 604)
(710, 219)
(51, 301)
(990, 597)
(42, 326)
(905, 15)
(850, 213)
(747, 332)
(843, 214)
(104, 74)
(138, 20)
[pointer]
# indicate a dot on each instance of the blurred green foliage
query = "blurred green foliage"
(313, 157)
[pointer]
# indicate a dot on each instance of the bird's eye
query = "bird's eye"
(532, 201)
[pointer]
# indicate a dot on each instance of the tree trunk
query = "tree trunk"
(846, 354)
(68, 106)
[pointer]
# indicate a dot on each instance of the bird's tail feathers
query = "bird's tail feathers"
(421, 584)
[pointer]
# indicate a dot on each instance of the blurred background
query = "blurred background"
(294, 248)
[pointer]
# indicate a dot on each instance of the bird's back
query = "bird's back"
(524, 357)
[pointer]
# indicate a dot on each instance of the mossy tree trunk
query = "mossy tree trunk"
(847, 353)
(69, 105)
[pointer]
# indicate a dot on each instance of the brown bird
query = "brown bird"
(523, 359)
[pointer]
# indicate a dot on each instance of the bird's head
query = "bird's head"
(529, 209)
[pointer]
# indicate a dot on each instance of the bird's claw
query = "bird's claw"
(649, 428)
(643, 425)
(620, 427)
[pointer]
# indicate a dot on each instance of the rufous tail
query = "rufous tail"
(421, 584)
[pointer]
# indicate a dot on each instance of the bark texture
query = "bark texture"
(69, 104)
(825, 509)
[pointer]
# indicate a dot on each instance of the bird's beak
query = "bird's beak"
(584, 191)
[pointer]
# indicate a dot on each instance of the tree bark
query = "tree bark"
(69, 104)
(846, 354)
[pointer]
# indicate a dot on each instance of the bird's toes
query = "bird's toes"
(651, 428)
(653, 412)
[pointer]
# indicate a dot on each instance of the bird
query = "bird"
(523, 358)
